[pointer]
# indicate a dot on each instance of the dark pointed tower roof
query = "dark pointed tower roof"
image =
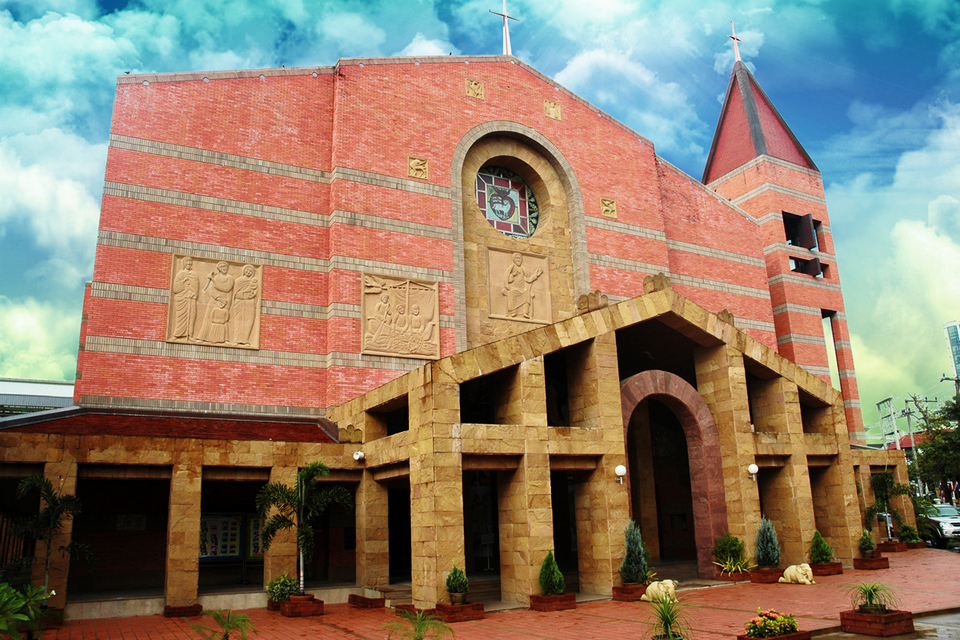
(750, 126)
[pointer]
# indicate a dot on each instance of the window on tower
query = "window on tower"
(801, 231)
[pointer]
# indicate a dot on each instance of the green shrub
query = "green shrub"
(909, 534)
(768, 548)
(457, 581)
(551, 580)
(866, 543)
(668, 620)
(872, 597)
(282, 587)
(634, 569)
(770, 624)
(728, 548)
(820, 549)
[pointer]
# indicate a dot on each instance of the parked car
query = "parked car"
(945, 523)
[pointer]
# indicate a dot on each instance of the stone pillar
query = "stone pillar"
(523, 495)
(183, 531)
(602, 504)
(642, 483)
(282, 556)
(436, 484)
(787, 500)
(63, 475)
(722, 383)
(373, 546)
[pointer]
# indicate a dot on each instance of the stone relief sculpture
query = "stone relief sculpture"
(209, 304)
(519, 286)
(400, 317)
(551, 109)
(608, 208)
(351, 435)
(591, 302)
(474, 89)
(417, 168)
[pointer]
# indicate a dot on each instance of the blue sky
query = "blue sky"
(870, 87)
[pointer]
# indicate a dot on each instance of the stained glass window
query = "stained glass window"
(507, 202)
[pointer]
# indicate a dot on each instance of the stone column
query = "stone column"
(373, 546)
(787, 499)
(63, 475)
(282, 556)
(722, 383)
(436, 484)
(602, 504)
(183, 531)
(523, 496)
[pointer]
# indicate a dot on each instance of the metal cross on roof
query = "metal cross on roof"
(506, 28)
(732, 36)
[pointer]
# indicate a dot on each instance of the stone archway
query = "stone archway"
(703, 449)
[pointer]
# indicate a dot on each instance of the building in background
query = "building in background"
(19, 396)
(473, 295)
(952, 332)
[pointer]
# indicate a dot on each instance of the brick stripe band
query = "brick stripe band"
(205, 407)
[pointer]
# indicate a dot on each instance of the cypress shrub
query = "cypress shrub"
(820, 549)
(768, 548)
(551, 580)
(634, 568)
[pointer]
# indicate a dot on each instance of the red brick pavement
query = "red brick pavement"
(926, 580)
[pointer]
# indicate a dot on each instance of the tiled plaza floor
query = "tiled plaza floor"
(927, 582)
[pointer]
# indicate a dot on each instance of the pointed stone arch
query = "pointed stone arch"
(703, 450)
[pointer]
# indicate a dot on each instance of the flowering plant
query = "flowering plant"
(770, 624)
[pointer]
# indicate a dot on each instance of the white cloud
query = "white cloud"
(38, 340)
(354, 34)
(46, 194)
(421, 46)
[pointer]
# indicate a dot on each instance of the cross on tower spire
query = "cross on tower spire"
(506, 28)
(732, 36)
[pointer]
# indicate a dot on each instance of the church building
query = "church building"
(476, 298)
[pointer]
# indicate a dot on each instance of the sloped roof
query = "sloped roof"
(750, 126)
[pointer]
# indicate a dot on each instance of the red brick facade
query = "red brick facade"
(305, 171)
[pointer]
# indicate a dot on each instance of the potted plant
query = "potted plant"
(279, 590)
(885, 488)
(417, 625)
(871, 559)
(729, 555)
(668, 622)
(873, 612)
(821, 557)
(228, 622)
(771, 624)
(22, 611)
(553, 585)
(768, 554)
(457, 585)
(635, 570)
(284, 507)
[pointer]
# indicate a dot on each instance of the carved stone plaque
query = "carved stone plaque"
(474, 89)
(417, 168)
(400, 317)
(518, 286)
(214, 302)
(608, 208)
(551, 109)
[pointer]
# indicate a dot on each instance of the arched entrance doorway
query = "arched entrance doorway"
(669, 406)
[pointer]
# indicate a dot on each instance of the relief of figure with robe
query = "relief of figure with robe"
(185, 290)
(243, 315)
(219, 287)
(517, 288)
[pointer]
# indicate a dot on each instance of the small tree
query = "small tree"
(885, 488)
(295, 507)
(551, 580)
(820, 550)
(768, 548)
(866, 544)
(56, 509)
(457, 580)
(634, 568)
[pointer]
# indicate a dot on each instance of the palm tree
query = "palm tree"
(57, 509)
(228, 621)
(295, 507)
(419, 626)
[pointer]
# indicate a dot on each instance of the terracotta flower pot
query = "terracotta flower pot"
(765, 575)
(629, 592)
(553, 603)
(827, 568)
(891, 623)
(871, 564)
(458, 598)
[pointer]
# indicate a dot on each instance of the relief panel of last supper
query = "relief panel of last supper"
(214, 302)
(400, 317)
